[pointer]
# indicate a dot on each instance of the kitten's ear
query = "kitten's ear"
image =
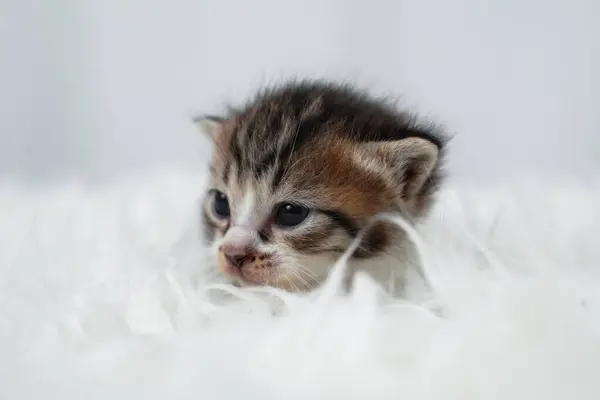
(209, 125)
(414, 161)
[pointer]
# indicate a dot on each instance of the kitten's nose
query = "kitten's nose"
(236, 255)
(238, 245)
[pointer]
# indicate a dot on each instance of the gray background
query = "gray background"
(96, 88)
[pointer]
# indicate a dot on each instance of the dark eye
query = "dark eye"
(221, 205)
(290, 215)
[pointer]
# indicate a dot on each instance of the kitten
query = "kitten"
(298, 172)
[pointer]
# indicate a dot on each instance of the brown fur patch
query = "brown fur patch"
(343, 184)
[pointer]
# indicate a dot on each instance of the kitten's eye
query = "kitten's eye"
(290, 215)
(221, 205)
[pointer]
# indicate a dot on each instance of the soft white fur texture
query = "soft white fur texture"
(104, 295)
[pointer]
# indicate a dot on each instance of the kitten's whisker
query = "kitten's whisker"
(289, 268)
(306, 271)
(304, 282)
(291, 283)
(307, 283)
(295, 263)
(297, 268)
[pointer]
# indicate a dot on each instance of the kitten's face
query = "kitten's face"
(290, 189)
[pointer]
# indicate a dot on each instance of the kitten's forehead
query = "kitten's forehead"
(303, 141)
(326, 173)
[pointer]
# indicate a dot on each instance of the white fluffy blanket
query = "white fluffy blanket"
(103, 295)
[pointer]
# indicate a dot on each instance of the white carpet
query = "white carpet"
(102, 296)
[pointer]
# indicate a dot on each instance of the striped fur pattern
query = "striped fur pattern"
(331, 150)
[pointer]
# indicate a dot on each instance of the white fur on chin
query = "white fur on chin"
(102, 295)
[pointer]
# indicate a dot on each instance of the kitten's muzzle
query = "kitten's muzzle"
(235, 255)
(243, 262)
(239, 256)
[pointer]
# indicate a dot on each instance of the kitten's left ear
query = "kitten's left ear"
(414, 161)
(209, 125)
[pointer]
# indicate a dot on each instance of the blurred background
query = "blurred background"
(93, 89)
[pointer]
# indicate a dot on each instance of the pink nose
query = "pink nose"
(236, 255)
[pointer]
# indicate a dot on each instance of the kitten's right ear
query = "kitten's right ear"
(209, 125)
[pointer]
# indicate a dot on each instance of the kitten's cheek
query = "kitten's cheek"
(221, 262)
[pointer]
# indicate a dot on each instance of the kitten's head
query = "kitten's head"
(300, 169)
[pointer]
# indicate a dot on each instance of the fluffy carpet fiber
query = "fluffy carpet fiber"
(104, 294)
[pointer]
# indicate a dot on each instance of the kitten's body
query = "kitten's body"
(301, 169)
